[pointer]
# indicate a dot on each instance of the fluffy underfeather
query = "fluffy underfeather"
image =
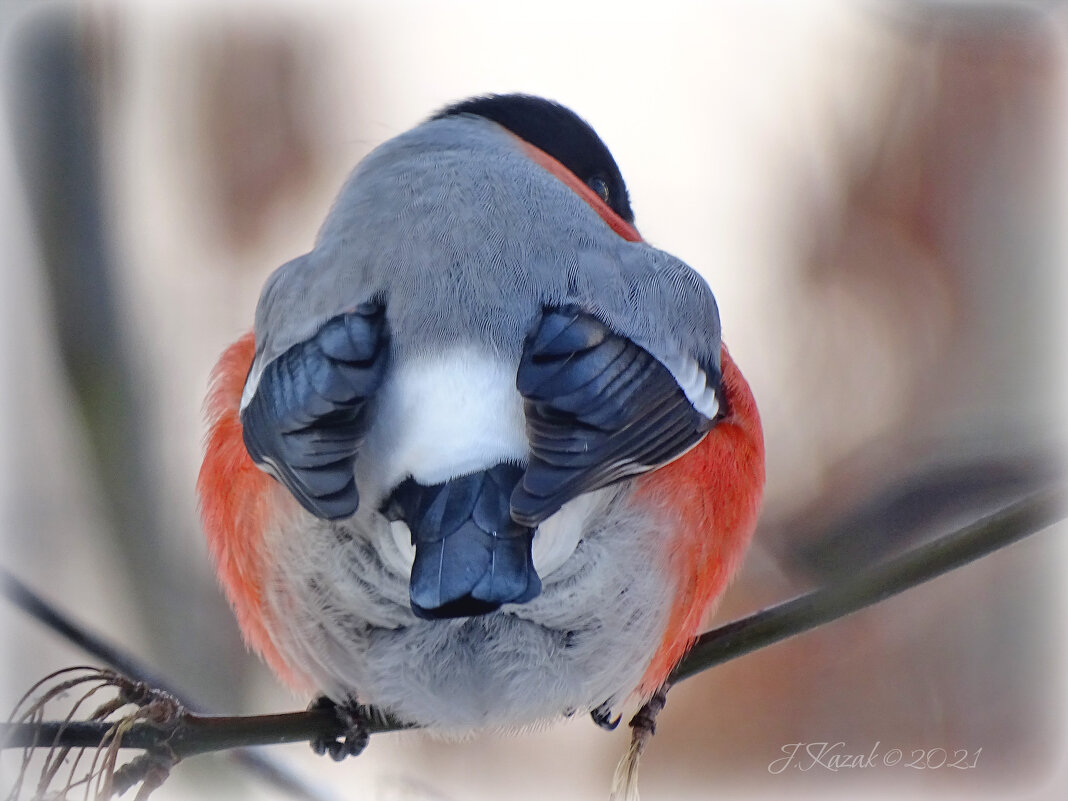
(343, 615)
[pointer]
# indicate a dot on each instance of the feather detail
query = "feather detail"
(714, 494)
(237, 504)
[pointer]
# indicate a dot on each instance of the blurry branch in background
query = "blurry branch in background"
(167, 731)
(875, 583)
(53, 66)
(22, 597)
(128, 670)
(828, 540)
(52, 112)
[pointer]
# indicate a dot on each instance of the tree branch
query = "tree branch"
(875, 583)
(192, 733)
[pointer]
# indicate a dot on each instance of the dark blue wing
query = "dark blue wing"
(599, 408)
(307, 418)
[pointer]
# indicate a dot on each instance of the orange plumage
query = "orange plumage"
(237, 502)
(714, 493)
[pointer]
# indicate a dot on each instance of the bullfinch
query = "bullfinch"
(484, 460)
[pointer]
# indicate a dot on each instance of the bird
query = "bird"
(483, 460)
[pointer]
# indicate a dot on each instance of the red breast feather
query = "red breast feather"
(237, 503)
(714, 493)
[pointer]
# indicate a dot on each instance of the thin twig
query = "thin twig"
(875, 583)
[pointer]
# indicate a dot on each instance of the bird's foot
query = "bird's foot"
(643, 724)
(642, 728)
(602, 716)
(353, 736)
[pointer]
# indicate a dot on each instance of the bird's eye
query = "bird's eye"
(600, 187)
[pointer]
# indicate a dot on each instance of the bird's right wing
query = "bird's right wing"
(307, 416)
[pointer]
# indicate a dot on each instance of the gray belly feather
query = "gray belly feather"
(342, 608)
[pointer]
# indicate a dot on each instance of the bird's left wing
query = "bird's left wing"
(599, 408)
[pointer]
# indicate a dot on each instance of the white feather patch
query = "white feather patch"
(694, 383)
(559, 535)
(445, 416)
(251, 382)
(401, 559)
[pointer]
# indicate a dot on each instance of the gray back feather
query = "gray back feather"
(464, 238)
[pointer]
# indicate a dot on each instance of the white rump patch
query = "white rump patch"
(445, 416)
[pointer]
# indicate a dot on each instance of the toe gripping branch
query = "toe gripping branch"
(354, 734)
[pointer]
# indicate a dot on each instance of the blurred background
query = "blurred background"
(875, 192)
